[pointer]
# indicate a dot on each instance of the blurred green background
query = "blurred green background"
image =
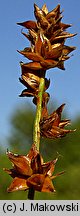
(19, 141)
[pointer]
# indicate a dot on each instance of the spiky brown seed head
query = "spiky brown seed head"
(30, 171)
(47, 36)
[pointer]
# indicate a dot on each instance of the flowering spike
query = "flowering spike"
(52, 126)
(30, 171)
(47, 36)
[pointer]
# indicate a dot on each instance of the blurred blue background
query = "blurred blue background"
(65, 85)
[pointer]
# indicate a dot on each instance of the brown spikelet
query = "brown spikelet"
(30, 171)
(52, 126)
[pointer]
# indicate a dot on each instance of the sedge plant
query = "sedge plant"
(47, 36)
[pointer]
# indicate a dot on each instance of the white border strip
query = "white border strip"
(38, 207)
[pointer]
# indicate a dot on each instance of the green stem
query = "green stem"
(36, 130)
(36, 127)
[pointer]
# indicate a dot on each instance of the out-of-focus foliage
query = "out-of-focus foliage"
(22, 128)
(67, 149)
